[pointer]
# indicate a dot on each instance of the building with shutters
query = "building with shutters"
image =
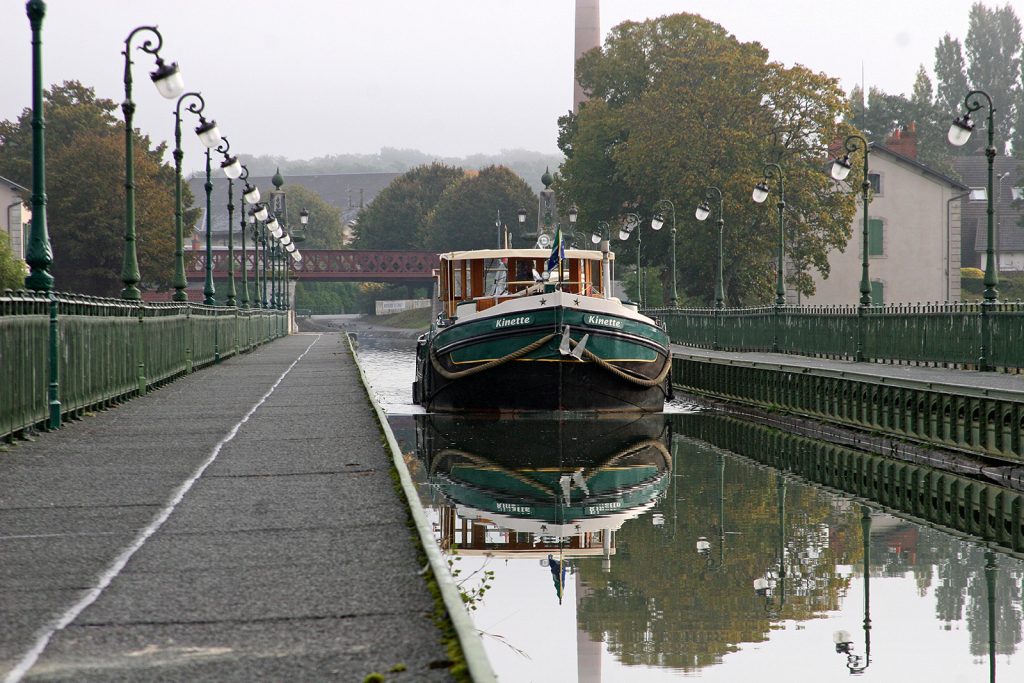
(914, 225)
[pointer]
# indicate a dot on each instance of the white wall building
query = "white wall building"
(913, 235)
(14, 217)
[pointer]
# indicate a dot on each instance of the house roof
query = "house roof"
(927, 170)
(974, 171)
(13, 185)
(343, 190)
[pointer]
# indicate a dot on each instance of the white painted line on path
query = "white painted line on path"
(46, 633)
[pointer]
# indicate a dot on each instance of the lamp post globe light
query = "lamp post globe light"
(250, 196)
(232, 169)
(959, 133)
(209, 135)
(300, 234)
(168, 82)
(759, 195)
(39, 254)
(657, 221)
(840, 171)
(701, 213)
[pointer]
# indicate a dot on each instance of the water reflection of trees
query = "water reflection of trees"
(664, 604)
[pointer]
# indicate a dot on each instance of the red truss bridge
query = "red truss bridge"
(329, 265)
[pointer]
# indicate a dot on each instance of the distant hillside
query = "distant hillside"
(528, 165)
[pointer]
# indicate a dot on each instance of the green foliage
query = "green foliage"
(327, 297)
(972, 285)
(397, 216)
(12, 270)
(677, 103)
(473, 586)
(465, 214)
(990, 59)
(85, 191)
(325, 227)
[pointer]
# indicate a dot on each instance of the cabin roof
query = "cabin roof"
(590, 254)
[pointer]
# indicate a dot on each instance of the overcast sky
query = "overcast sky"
(447, 77)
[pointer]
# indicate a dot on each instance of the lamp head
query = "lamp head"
(761, 191)
(304, 217)
(573, 214)
(521, 213)
(960, 130)
(261, 212)
(703, 211)
(208, 133)
(231, 167)
(167, 79)
(251, 194)
(841, 167)
(657, 221)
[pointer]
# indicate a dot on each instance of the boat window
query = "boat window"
(495, 277)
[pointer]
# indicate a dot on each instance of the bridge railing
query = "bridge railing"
(933, 334)
(108, 349)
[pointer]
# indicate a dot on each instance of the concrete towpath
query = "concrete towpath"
(239, 524)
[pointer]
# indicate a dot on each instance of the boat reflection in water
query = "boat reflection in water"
(540, 488)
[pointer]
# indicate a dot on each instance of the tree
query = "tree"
(325, 230)
(990, 60)
(397, 216)
(12, 270)
(677, 104)
(85, 191)
(465, 214)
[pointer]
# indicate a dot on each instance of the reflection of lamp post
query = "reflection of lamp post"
(959, 133)
(703, 544)
(168, 82)
(209, 135)
(765, 586)
(840, 170)
(702, 213)
(990, 598)
(842, 639)
(656, 222)
(39, 254)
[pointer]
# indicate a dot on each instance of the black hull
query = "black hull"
(543, 386)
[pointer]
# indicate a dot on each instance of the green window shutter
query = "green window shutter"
(877, 293)
(875, 242)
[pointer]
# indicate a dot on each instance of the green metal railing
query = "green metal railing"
(953, 501)
(111, 349)
(941, 334)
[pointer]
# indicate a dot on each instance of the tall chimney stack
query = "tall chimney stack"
(588, 36)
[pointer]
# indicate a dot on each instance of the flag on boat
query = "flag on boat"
(557, 252)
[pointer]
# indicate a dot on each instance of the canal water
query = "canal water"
(629, 549)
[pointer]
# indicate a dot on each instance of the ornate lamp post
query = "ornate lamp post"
(840, 171)
(761, 191)
(602, 236)
(232, 169)
(39, 254)
(656, 222)
(273, 228)
(168, 82)
(959, 133)
(300, 234)
(250, 195)
(209, 135)
(702, 213)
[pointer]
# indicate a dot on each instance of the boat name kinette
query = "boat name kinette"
(509, 322)
(607, 322)
(512, 507)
